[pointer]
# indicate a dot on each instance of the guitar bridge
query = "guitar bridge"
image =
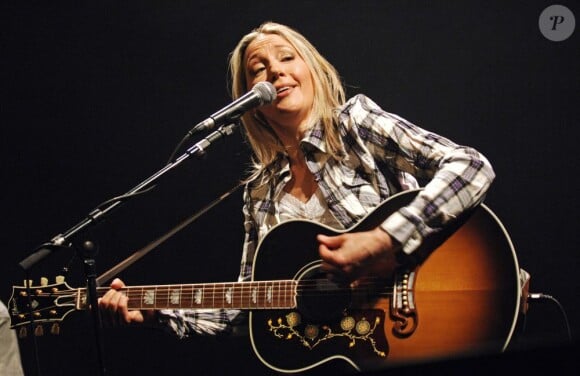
(403, 309)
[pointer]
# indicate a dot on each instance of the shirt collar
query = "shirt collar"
(314, 137)
(313, 140)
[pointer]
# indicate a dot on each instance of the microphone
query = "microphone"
(262, 93)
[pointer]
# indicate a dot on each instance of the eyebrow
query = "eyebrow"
(277, 46)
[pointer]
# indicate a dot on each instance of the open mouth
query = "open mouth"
(283, 89)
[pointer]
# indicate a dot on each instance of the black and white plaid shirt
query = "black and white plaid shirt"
(383, 154)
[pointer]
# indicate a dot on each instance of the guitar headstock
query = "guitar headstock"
(36, 306)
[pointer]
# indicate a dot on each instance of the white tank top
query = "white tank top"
(315, 209)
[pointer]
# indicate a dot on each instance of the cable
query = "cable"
(541, 296)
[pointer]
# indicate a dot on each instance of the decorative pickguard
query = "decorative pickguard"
(364, 326)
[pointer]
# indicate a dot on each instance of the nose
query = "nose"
(276, 70)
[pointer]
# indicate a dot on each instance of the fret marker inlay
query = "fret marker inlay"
(149, 297)
(198, 296)
(229, 295)
(174, 297)
(254, 295)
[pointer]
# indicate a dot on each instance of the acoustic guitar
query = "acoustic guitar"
(460, 297)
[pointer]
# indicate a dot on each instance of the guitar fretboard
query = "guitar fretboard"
(279, 294)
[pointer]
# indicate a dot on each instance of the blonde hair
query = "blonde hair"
(329, 94)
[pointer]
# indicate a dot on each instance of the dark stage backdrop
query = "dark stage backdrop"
(97, 94)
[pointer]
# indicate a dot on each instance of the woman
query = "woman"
(319, 157)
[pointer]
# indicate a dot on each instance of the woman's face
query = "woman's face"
(271, 58)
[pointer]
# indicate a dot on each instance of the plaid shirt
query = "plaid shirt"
(383, 154)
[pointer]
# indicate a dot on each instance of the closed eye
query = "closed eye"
(258, 69)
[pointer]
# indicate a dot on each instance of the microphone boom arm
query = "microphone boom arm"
(63, 239)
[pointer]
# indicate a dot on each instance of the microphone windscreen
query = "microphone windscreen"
(266, 91)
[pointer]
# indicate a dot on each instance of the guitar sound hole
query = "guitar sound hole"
(321, 300)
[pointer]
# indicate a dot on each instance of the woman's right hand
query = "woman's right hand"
(114, 310)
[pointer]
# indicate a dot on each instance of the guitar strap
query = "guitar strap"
(115, 270)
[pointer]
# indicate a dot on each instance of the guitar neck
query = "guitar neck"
(280, 294)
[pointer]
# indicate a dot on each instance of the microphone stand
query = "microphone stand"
(88, 253)
(63, 240)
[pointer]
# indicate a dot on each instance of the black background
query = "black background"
(96, 95)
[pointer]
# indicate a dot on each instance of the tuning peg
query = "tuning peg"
(55, 329)
(39, 331)
(22, 333)
(43, 281)
(59, 278)
(27, 282)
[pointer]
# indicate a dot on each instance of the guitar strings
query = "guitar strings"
(244, 291)
(240, 293)
(236, 287)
